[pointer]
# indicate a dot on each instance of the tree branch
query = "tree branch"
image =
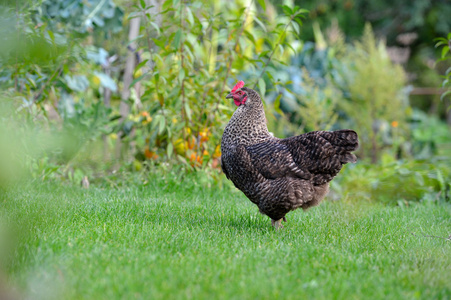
(182, 64)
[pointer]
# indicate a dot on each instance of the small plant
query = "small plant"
(393, 181)
(378, 104)
(318, 105)
(445, 44)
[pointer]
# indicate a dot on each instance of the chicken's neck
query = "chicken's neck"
(246, 127)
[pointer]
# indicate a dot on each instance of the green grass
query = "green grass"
(179, 242)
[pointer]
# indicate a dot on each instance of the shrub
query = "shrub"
(395, 181)
(378, 100)
(186, 73)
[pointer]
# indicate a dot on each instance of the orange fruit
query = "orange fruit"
(217, 152)
(150, 154)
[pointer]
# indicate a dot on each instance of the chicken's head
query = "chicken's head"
(238, 95)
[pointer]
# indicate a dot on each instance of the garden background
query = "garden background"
(111, 114)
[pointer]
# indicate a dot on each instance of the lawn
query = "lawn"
(179, 242)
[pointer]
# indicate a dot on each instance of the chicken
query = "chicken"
(280, 175)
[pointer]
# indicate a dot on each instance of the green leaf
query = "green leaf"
(287, 10)
(77, 83)
(291, 47)
(301, 11)
(441, 39)
(277, 104)
(283, 36)
(177, 39)
(442, 97)
(185, 162)
(281, 49)
(161, 125)
(188, 110)
(137, 80)
(438, 44)
(106, 81)
(249, 36)
(189, 15)
(182, 75)
(148, 94)
(52, 36)
(155, 25)
(141, 64)
(264, 53)
(159, 43)
(133, 15)
(262, 86)
(262, 4)
(440, 179)
(445, 51)
(143, 3)
(296, 27)
(257, 20)
(188, 51)
(170, 149)
(155, 123)
(31, 81)
(271, 78)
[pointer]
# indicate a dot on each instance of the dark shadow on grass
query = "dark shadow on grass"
(204, 219)
(241, 222)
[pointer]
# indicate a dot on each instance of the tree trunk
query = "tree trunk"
(107, 103)
(124, 108)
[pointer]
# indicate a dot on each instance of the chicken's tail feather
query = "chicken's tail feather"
(344, 141)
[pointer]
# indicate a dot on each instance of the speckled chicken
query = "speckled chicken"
(280, 175)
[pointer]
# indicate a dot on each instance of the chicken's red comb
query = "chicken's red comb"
(239, 85)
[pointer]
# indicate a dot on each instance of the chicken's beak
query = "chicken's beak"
(229, 96)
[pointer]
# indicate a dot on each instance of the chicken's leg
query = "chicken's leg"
(277, 224)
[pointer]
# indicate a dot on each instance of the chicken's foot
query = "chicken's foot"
(277, 224)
